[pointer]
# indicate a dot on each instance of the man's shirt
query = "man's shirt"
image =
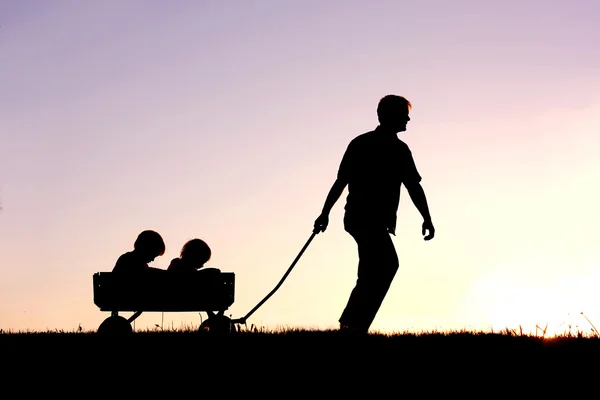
(375, 165)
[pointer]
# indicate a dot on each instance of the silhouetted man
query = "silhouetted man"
(374, 167)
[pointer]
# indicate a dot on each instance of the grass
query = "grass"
(318, 360)
(294, 337)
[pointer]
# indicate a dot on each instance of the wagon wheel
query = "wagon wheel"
(115, 325)
(217, 324)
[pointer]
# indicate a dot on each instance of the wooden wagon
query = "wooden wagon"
(208, 290)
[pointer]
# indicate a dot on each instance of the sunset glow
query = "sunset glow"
(227, 121)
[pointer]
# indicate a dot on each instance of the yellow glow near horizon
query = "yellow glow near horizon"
(532, 305)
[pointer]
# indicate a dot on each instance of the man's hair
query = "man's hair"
(150, 241)
(390, 104)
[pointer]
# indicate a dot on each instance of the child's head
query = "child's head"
(196, 251)
(150, 245)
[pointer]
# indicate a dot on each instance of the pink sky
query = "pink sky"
(227, 121)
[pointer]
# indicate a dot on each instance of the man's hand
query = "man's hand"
(321, 223)
(428, 226)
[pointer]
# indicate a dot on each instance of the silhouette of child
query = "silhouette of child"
(148, 245)
(194, 254)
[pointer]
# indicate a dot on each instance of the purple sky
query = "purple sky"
(227, 121)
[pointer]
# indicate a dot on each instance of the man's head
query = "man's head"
(392, 112)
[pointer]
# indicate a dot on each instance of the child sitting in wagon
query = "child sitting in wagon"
(148, 245)
(194, 254)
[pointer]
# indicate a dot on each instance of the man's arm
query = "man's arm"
(417, 195)
(334, 194)
(332, 197)
(344, 171)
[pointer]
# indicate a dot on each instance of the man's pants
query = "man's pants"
(378, 263)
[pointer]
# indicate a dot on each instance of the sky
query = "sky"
(227, 120)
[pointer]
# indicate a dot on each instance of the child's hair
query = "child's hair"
(150, 241)
(196, 248)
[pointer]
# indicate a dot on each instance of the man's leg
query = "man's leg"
(378, 263)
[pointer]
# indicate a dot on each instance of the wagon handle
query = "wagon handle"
(243, 319)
